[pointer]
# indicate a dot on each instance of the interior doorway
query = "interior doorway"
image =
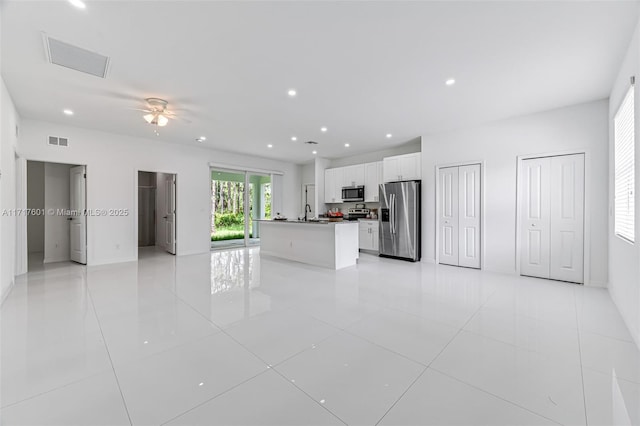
(239, 200)
(56, 214)
(157, 212)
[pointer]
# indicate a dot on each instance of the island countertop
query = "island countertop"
(329, 244)
(306, 222)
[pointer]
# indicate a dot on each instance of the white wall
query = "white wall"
(624, 258)
(9, 122)
(56, 197)
(112, 163)
(580, 127)
(35, 200)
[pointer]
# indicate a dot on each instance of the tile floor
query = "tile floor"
(231, 338)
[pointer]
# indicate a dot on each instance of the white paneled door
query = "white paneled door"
(170, 213)
(535, 219)
(459, 216)
(78, 204)
(552, 218)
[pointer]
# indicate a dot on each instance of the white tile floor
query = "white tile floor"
(230, 338)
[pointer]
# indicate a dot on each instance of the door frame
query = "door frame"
(247, 172)
(134, 213)
(587, 201)
(482, 209)
(22, 244)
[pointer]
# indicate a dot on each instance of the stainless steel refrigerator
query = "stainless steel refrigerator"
(400, 220)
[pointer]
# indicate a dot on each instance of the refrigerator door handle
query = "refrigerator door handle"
(393, 213)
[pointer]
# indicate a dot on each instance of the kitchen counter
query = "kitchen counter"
(331, 245)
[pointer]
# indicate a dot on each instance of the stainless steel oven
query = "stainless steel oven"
(352, 193)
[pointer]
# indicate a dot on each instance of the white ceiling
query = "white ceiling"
(363, 69)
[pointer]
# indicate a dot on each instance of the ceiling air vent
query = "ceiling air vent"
(75, 58)
(311, 143)
(54, 140)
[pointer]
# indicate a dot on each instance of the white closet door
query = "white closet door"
(535, 212)
(448, 220)
(567, 218)
(469, 216)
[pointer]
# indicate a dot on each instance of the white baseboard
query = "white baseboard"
(599, 284)
(112, 261)
(192, 252)
(56, 259)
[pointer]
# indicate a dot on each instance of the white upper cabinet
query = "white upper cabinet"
(332, 180)
(372, 181)
(352, 175)
(403, 167)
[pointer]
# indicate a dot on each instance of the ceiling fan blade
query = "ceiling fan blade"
(139, 109)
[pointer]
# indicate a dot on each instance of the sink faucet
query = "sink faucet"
(307, 209)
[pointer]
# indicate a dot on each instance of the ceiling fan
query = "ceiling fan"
(157, 113)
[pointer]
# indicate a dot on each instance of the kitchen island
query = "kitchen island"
(331, 245)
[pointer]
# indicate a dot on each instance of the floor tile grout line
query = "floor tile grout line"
(624, 379)
(224, 331)
(422, 364)
(432, 361)
(584, 393)
(214, 397)
(495, 396)
(401, 395)
(606, 336)
(106, 346)
(281, 374)
(513, 345)
(130, 361)
(90, 376)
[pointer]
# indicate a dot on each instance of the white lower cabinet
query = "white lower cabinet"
(368, 235)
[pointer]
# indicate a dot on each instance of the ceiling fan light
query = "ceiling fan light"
(149, 118)
(162, 120)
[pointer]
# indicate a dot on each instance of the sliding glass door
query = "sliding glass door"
(259, 204)
(238, 200)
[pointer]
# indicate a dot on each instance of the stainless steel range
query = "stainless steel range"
(357, 213)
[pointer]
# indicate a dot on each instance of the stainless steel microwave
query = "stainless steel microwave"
(352, 193)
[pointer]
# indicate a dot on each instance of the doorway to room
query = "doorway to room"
(239, 199)
(56, 214)
(156, 212)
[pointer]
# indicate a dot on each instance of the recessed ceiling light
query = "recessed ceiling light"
(389, 135)
(450, 82)
(201, 139)
(293, 138)
(292, 92)
(346, 145)
(68, 112)
(323, 129)
(78, 3)
(314, 152)
(269, 146)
